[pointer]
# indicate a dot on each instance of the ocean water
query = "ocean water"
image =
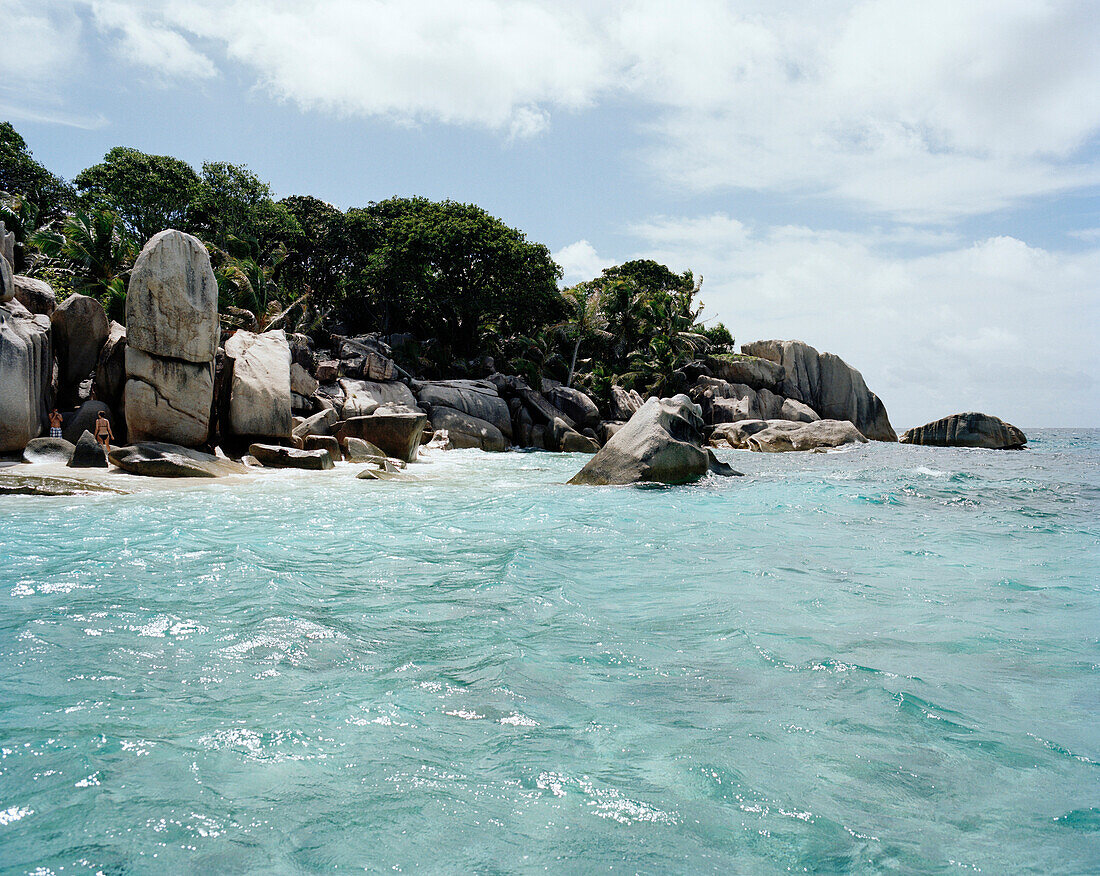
(882, 659)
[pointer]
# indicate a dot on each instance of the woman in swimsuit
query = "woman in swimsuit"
(103, 433)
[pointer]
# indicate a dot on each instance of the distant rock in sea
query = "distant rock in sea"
(971, 429)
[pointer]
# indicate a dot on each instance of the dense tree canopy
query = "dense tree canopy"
(21, 175)
(459, 281)
(452, 272)
(148, 192)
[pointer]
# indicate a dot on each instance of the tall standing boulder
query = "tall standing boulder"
(828, 384)
(259, 385)
(171, 337)
(26, 369)
(80, 328)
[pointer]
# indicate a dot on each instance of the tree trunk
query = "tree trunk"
(573, 364)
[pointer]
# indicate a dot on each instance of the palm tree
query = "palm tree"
(95, 248)
(587, 319)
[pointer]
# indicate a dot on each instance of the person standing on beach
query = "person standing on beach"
(103, 433)
(55, 424)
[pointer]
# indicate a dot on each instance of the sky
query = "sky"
(912, 186)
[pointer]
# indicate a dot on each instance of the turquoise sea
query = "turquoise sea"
(882, 659)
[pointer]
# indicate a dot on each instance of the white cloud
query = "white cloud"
(994, 325)
(918, 111)
(39, 42)
(144, 40)
(579, 262)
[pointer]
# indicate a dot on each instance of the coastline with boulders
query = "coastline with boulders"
(189, 396)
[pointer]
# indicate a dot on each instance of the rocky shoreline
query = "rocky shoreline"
(187, 396)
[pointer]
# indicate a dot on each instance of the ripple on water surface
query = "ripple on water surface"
(879, 659)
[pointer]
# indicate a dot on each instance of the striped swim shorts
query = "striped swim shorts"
(55, 432)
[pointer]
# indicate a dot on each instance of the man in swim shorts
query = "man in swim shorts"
(55, 424)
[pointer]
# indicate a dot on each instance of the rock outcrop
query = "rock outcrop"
(84, 420)
(35, 295)
(157, 459)
(967, 430)
(624, 403)
(172, 334)
(751, 371)
(396, 434)
(573, 403)
(26, 371)
(259, 385)
(275, 456)
(167, 398)
(737, 435)
(466, 430)
(7, 278)
(662, 443)
(80, 327)
(110, 370)
(805, 436)
(88, 453)
(478, 399)
(826, 383)
(48, 450)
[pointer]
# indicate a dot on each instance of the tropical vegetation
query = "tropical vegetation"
(450, 285)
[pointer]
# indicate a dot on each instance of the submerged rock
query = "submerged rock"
(36, 485)
(971, 429)
(39, 450)
(662, 442)
(275, 456)
(157, 459)
(805, 436)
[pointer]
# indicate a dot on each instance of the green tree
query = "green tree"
(95, 248)
(651, 329)
(234, 211)
(453, 272)
(149, 192)
(318, 249)
(587, 319)
(20, 174)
